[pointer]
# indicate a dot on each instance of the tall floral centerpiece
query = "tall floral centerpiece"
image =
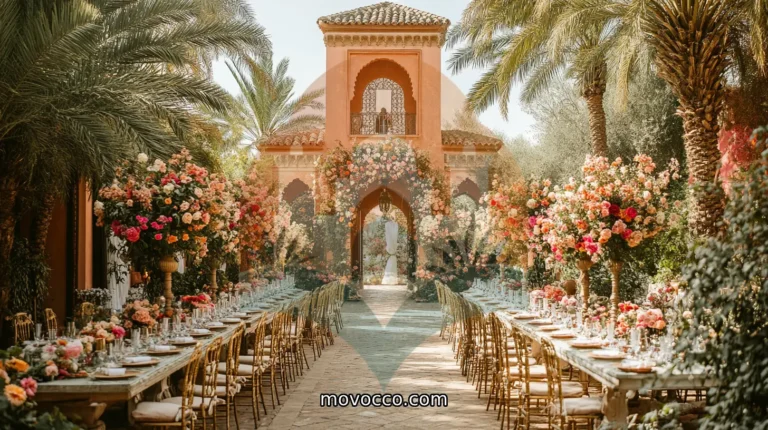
(614, 208)
(156, 208)
(222, 201)
(506, 218)
(259, 206)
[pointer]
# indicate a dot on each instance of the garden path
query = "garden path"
(388, 344)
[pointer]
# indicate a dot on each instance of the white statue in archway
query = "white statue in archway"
(390, 270)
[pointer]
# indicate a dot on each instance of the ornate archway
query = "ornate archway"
(400, 200)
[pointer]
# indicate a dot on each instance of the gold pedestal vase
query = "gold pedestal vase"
(214, 264)
(168, 265)
(584, 265)
(615, 267)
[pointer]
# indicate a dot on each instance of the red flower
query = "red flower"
(625, 235)
(132, 234)
(614, 209)
(630, 214)
(159, 236)
(116, 227)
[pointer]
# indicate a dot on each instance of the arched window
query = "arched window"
(383, 110)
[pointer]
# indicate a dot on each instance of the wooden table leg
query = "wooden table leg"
(615, 409)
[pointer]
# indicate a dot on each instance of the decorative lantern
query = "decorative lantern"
(385, 202)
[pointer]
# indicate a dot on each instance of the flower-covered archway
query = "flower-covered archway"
(350, 182)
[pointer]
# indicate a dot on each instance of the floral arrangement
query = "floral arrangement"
(541, 197)
(651, 318)
(59, 360)
(222, 201)
(157, 207)
(569, 303)
(627, 318)
(331, 167)
(108, 330)
(553, 293)
(199, 301)
(506, 218)
(18, 388)
(374, 163)
(259, 206)
(140, 313)
(614, 207)
(662, 296)
(598, 308)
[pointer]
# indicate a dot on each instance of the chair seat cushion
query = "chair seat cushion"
(158, 412)
(570, 389)
(243, 369)
(221, 390)
(580, 406)
(197, 402)
(536, 371)
(248, 359)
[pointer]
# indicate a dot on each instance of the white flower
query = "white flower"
(129, 203)
(198, 192)
(98, 206)
(187, 218)
(184, 206)
(531, 203)
(142, 158)
(660, 217)
(168, 188)
(196, 216)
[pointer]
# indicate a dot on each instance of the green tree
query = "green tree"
(696, 46)
(513, 39)
(266, 105)
(85, 84)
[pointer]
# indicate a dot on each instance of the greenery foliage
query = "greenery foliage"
(728, 280)
(28, 274)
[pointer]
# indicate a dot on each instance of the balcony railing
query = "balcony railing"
(374, 123)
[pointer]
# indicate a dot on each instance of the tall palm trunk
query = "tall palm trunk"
(593, 90)
(599, 137)
(690, 40)
(43, 223)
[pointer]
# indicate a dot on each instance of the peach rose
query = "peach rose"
(15, 394)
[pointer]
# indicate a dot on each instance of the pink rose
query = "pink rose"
(159, 236)
(132, 234)
(116, 227)
(118, 331)
(73, 349)
(30, 386)
(51, 370)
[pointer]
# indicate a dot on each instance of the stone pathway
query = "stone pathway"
(388, 344)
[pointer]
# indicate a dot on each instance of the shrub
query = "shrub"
(728, 280)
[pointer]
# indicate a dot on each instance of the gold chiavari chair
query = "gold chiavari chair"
(535, 397)
(298, 331)
(568, 406)
(172, 414)
(208, 391)
(85, 312)
(231, 380)
(50, 320)
(308, 326)
(23, 328)
(253, 367)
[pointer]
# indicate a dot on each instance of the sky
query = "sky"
(292, 28)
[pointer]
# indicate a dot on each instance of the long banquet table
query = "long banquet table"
(616, 383)
(111, 392)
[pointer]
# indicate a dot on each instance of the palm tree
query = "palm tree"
(85, 84)
(266, 105)
(696, 45)
(513, 40)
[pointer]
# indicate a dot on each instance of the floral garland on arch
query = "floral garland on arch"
(342, 174)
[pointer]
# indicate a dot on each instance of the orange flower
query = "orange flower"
(17, 365)
(15, 394)
(201, 239)
(168, 200)
(185, 237)
(172, 239)
(61, 342)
